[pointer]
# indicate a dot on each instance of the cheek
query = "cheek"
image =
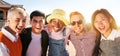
(51, 26)
(13, 24)
(73, 27)
(106, 23)
(82, 25)
(96, 25)
(24, 24)
(54, 25)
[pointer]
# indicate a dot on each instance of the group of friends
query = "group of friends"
(102, 39)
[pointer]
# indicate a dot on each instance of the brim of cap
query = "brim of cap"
(62, 18)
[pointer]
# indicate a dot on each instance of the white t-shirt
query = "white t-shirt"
(35, 48)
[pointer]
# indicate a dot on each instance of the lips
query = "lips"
(56, 28)
(19, 29)
(101, 27)
(38, 28)
(77, 28)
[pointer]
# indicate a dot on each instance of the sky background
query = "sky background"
(86, 7)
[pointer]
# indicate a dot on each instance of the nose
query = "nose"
(76, 24)
(100, 23)
(38, 24)
(21, 23)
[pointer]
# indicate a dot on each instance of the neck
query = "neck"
(79, 33)
(107, 33)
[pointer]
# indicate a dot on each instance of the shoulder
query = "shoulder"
(91, 34)
(118, 33)
(26, 30)
(1, 36)
(68, 29)
(44, 33)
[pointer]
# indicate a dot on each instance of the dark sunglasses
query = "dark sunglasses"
(76, 22)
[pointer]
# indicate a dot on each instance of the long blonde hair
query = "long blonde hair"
(98, 35)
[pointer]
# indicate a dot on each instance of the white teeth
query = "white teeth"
(56, 28)
(37, 28)
(102, 28)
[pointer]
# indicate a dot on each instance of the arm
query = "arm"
(68, 31)
(3, 50)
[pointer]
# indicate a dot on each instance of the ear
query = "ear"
(8, 20)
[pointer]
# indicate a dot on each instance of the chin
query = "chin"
(56, 30)
(38, 31)
(18, 32)
(102, 32)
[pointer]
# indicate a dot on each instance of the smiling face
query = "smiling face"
(102, 24)
(56, 25)
(37, 23)
(17, 22)
(77, 24)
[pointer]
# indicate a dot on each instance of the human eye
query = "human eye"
(41, 21)
(24, 20)
(73, 23)
(34, 21)
(79, 22)
(95, 21)
(17, 20)
(54, 22)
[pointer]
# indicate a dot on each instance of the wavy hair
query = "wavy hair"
(112, 25)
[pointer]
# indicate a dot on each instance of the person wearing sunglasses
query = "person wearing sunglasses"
(82, 39)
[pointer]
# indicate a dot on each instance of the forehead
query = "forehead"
(100, 15)
(54, 19)
(18, 16)
(76, 18)
(37, 18)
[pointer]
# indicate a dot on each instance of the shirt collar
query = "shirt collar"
(9, 35)
(36, 35)
(112, 35)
